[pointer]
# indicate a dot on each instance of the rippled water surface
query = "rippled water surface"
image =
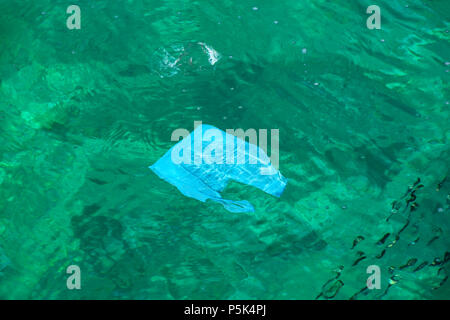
(363, 117)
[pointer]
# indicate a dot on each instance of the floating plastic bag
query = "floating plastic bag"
(184, 58)
(202, 164)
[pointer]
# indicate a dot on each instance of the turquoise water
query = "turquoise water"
(362, 115)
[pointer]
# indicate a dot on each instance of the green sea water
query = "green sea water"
(363, 117)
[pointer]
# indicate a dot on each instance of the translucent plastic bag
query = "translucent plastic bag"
(202, 164)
